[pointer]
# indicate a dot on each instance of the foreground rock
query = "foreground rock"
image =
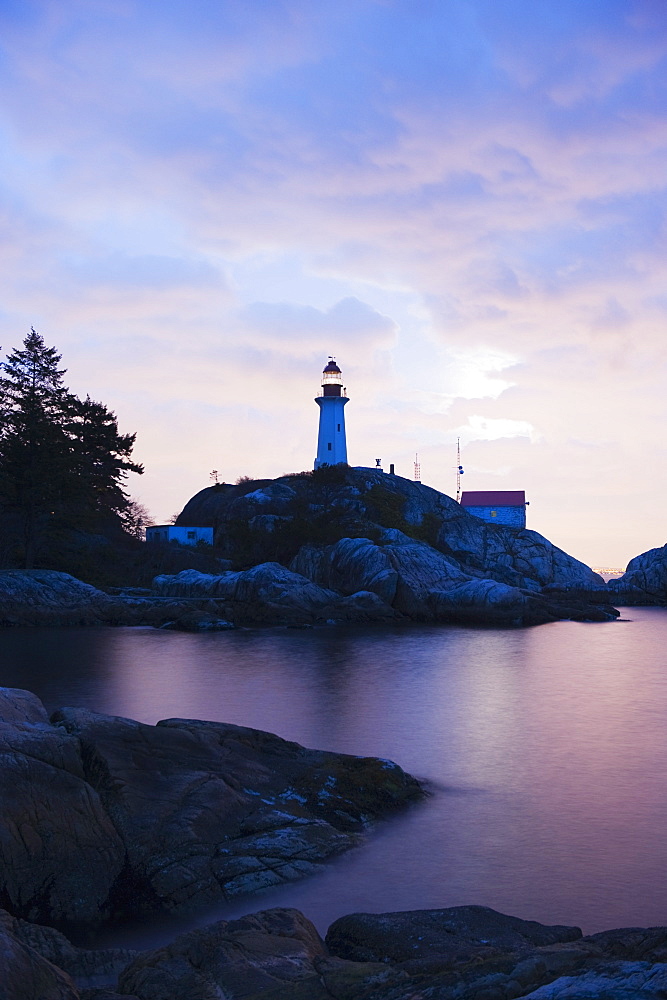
(103, 816)
(40, 962)
(460, 953)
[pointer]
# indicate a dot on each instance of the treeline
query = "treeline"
(63, 461)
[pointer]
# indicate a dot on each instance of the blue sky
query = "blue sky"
(463, 200)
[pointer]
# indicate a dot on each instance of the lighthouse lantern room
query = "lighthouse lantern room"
(331, 445)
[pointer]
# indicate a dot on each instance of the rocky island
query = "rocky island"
(336, 545)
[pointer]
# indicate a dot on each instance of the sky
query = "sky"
(463, 201)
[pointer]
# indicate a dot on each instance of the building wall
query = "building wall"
(513, 517)
(183, 535)
(331, 443)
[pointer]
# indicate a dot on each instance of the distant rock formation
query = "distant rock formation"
(384, 545)
(48, 597)
(340, 502)
(337, 545)
(645, 579)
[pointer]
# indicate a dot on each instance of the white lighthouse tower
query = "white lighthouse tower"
(331, 445)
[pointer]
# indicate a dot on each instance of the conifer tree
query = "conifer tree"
(100, 460)
(34, 448)
(62, 459)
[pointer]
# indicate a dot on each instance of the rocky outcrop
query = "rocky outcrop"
(104, 815)
(420, 938)
(423, 584)
(52, 961)
(417, 550)
(402, 579)
(348, 502)
(270, 593)
(60, 853)
(47, 597)
(645, 579)
(39, 587)
(274, 950)
(460, 953)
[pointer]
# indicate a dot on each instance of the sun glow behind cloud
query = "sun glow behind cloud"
(464, 202)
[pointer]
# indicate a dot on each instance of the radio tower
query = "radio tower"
(459, 470)
(418, 469)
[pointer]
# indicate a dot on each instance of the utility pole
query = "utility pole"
(459, 470)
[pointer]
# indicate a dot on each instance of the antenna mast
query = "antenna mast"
(459, 470)
(418, 469)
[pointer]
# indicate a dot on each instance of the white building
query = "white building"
(331, 444)
(182, 535)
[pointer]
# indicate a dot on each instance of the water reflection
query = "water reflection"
(546, 748)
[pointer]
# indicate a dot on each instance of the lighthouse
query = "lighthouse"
(331, 446)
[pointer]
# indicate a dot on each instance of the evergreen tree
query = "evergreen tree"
(34, 447)
(62, 459)
(100, 461)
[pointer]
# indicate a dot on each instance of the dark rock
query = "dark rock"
(102, 815)
(104, 994)
(30, 597)
(449, 936)
(28, 976)
(89, 968)
(207, 811)
(59, 851)
(645, 579)
(39, 588)
(422, 583)
(267, 592)
(199, 621)
(17, 705)
(408, 578)
(236, 958)
(459, 953)
(364, 606)
(633, 943)
(614, 981)
(274, 955)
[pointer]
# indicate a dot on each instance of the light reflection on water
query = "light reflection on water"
(545, 748)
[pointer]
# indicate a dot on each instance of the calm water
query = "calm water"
(546, 749)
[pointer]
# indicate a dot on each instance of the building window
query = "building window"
(329, 446)
(192, 534)
(339, 427)
(494, 513)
